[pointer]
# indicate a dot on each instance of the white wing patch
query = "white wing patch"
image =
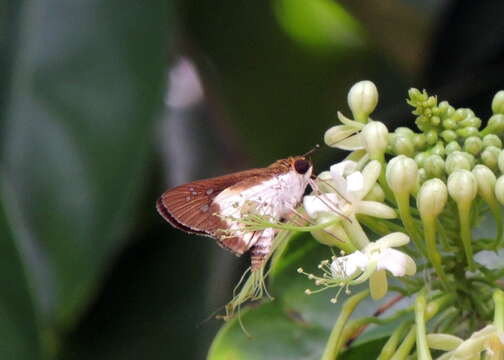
(275, 197)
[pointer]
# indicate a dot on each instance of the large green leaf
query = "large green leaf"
(86, 86)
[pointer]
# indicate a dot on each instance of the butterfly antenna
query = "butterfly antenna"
(315, 148)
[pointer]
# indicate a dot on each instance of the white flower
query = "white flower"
(375, 256)
(349, 187)
(346, 136)
(487, 339)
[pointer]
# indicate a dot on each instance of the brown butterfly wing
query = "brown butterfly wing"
(188, 207)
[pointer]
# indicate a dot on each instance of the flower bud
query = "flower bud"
(403, 146)
(404, 131)
(432, 137)
(496, 124)
(449, 135)
(451, 147)
(499, 189)
(501, 162)
(337, 133)
(434, 166)
(490, 157)
(485, 179)
(462, 186)
(473, 145)
(498, 103)
(362, 99)
(438, 149)
(492, 140)
(457, 160)
(420, 158)
(401, 174)
(449, 124)
(468, 131)
(419, 141)
(432, 197)
(375, 138)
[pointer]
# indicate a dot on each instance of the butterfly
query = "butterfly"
(214, 207)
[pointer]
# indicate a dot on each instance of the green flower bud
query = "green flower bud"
(468, 131)
(434, 166)
(362, 99)
(451, 147)
(462, 186)
(419, 141)
(473, 145)
(404, 131)
(459, 115)
(420, 158)
(490, 157)
(446, 109)
(449, 124)
(375, 137)
(375, 194)
(498, 103)
(500, 161)
(432, 197)
(496, 124)
(499, 189)
(403, 145)
(401, 174)
(432, 137)
(438, 149)
(492, 140)
(449, 135)
(471, 121)
(457, 160)
(486, 182)
(435, 121)
(422, 176)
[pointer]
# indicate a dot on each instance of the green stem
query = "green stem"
(390, 346)
(406, 346)
(407, 220)
(333, 344)
(355, 232)
(497, 214)
(429, 223)
(421, 335)
(498, 297)
(464, 210)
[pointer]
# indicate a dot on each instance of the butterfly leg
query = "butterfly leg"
(260, 251)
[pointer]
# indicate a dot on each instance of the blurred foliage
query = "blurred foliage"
(88, 268)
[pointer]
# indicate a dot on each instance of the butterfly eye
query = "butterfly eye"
(301, 166)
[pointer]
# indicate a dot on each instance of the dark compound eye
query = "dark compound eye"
(301, 166)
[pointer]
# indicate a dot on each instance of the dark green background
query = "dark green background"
(87, 267)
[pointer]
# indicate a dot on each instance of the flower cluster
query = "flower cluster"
(433, 186)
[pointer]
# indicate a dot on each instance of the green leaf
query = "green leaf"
(86, 86)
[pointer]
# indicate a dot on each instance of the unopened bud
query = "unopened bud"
(362, 99)
(468, 131)
(420, 158)
(375, 138)
(419, 141)
(438, 149)
(462, 186)
(432, 137)
(492, 140)
(501, 162)
(432, 197)
(403, 146)
(486, 182)
(457, 160)
(449, 135)
(490, 157)
(434, 166)
(496, 124)
(401, 174)
(375, 194)
(498, 103)
(499, 189)
(404, 131)
(451, 147)
(473, 145)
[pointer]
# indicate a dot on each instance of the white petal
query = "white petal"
(346, 266)
(395, 239)
(371, 172)
(334, 135)
(339, 170)
(349, 122)
(376, 209)
(320, 205)
(355, 182)
(354, 142)
(394, 261)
